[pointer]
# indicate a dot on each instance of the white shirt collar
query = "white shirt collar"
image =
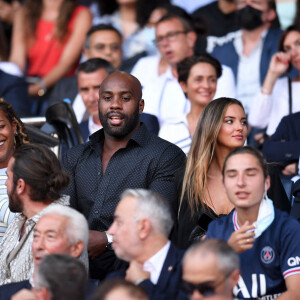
(238, 41)
(93, 127)
(266, 215)
(155, 263)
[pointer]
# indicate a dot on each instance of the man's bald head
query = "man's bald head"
(131, 81)
(120, 105)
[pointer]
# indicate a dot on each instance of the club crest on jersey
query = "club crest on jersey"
(267, 255)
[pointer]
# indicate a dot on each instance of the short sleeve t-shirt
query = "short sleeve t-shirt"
(274, 256)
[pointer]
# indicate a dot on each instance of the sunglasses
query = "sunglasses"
(205, 289)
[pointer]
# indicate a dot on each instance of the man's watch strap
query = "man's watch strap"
(109, 240)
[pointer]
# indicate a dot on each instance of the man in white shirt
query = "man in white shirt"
(34, 182)
(251, 50)
(102, 41)
(60, 230)
(139, 233)
(175, 39)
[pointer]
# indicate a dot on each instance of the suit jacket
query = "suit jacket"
(284, 145)
(64, 88)
(7, 290)
(227, 55)
(168, 284)
(14, 90)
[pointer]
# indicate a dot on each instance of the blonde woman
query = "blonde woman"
(222, 127)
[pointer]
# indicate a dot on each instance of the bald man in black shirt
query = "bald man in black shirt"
(121, 155)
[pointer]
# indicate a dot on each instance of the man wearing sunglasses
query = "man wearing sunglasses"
(210, 271)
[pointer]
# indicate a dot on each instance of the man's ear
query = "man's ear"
(77, 249)
(141, 106)
(86, 53)
(21, 185)
(234, 278)
(191, 39)
(144, 228)
(268, 182)
(271, 15)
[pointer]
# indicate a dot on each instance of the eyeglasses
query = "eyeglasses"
(111, 47)
(205, 288)
(170, 37)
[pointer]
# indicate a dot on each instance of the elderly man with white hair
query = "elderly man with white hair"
(142, 224)
(61, 230)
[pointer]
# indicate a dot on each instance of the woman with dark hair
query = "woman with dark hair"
(197, 76)
(278, 97)
(129, 17)
(12, 135)
(222, 127)
(48, 36)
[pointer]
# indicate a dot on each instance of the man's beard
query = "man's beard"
(15, 203)
(120, 132)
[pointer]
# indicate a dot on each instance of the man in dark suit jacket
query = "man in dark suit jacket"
(284, 145)
(142, 223)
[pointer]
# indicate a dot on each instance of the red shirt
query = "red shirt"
(47, 49)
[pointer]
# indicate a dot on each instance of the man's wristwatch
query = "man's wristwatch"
(109, 240)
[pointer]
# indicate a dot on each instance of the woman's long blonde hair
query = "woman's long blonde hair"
(202, 151)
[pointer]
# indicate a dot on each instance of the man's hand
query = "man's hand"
(242, 239)
(290, 169)
(260, 137)
(24, 294)
(136, 273)
(97, 243)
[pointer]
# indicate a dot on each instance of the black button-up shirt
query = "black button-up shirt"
(147, 162)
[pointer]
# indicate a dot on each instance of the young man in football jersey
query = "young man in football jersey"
(267, 240)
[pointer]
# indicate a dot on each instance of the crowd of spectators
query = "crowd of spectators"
(187, 184)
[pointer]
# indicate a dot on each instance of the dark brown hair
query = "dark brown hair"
(248, 150)
(184, 67)
(38, 166)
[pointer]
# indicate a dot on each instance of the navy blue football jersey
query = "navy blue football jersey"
(274, 256)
